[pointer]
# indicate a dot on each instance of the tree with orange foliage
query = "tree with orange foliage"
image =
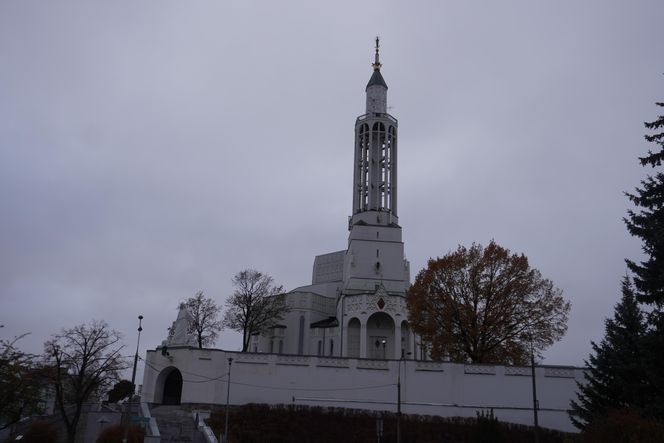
(485, 305)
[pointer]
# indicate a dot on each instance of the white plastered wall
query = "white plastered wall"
(433, 388)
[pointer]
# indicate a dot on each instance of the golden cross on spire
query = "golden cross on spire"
(376, 64)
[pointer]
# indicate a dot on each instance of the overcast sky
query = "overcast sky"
(149, 150)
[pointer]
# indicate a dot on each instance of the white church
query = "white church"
(355, 305)
(346, 340)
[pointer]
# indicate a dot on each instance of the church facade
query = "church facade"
(355, 305)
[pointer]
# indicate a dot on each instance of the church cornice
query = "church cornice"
(376, 116)
(373, 225)
(375, 279)
(376, 241)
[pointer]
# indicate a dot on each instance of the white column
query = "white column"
(397, 339)
(344, 335)
(363, 338)
(393, 173)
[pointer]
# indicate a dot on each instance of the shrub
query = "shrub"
(41, 432)
(623, 426)
(115, 434)
(488, 428)
(259, 423)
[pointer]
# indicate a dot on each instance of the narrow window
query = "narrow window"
(281, 346)
(320, 347)
(331, 347)
(271, 346)
(300, 341)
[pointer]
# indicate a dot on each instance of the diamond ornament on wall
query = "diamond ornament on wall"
(381, 303)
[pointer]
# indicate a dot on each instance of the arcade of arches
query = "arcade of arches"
(380, 337)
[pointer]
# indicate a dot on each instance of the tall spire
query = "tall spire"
(375, 151)
(376, 64)
(377, 78)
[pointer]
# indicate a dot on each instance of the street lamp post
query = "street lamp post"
(379, 428)
(228, 394)
(399, 402)
(133, 382)
(535, 405)
(138, 343)
(399, 395)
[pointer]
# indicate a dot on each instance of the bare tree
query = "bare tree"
(84, 362)
(204, 323)
(256, 304)
(20, 387)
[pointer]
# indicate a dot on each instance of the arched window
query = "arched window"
(300, 340)
(353, 331)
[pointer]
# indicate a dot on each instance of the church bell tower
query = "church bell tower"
(375, 272)
(375, 249)
(375, 175)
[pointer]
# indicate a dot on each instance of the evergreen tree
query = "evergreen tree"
(648, 223)
(615, 378)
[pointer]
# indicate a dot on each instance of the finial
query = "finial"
(376, 64)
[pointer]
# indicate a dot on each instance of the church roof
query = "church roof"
(330, 322)
(376, 79)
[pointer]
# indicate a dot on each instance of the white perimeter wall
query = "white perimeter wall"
(432, 388)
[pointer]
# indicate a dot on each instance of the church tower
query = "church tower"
(375, 273)
(355, 305)
(374, 178)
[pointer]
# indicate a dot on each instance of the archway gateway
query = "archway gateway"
(169, 382)
(380, 336)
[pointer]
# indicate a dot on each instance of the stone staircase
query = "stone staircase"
(176, 425)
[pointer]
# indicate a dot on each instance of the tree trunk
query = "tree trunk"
(71, 434)
(245, 341)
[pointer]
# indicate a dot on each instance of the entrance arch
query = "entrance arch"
(169, 386)
(380, 336)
